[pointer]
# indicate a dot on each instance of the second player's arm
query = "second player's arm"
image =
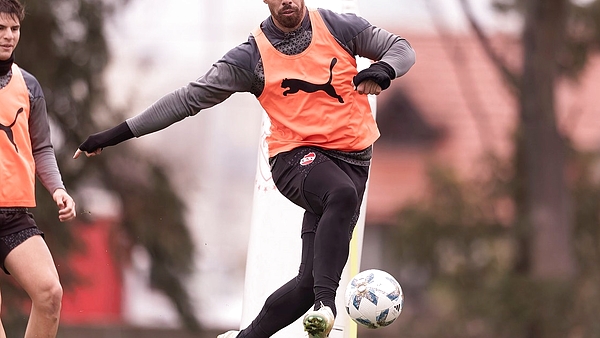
(218, 84)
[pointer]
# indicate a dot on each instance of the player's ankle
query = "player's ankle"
(330, 305)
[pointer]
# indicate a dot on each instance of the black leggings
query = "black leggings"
(331, 192)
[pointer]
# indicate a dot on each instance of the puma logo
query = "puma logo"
(296, 85)
(8, 130)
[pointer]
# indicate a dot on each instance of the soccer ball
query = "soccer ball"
(374, 298)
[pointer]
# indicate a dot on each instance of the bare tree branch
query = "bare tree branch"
(466, 81)
(511, 77)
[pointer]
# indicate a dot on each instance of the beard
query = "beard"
(290, 21)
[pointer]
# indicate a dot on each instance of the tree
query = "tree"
(454, 239)
(545, 206)
(63, 45)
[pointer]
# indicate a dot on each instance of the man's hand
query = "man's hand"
(93, 145)
(368, 87)
(78, 152)
(66, 205)
(374, 79)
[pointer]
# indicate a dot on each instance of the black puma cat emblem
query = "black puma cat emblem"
(296, 85)
(8, 130)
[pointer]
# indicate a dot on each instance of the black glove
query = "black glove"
(106, 138)
(379, 72)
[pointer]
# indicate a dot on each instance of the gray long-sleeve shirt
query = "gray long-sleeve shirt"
(46, 167)
(240, 70)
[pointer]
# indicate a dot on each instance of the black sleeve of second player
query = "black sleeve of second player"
(107, 138)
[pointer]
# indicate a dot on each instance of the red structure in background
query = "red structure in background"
(97, 298)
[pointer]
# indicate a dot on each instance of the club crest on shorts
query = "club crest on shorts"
(308, 158)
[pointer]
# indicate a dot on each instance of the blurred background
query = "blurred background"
(483, 199)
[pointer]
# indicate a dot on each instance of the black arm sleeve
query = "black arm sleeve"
(107, 138)
(380, 72)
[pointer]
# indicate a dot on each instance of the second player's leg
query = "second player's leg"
(290, 301)
(2, 333)
(332, 192)
(31, 264)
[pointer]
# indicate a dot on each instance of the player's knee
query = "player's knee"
(49, 298)
(343, 198)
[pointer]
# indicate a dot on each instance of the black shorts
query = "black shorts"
(291, 171)
(16, 226)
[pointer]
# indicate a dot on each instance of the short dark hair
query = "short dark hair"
(12, 8)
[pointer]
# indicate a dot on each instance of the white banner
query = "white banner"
(274, 247)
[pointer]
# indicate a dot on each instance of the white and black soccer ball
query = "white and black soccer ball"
(374, 298)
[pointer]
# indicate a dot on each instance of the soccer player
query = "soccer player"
(300, 64)
(26, 151)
